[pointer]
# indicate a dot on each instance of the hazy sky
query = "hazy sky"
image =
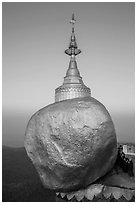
(35, 36)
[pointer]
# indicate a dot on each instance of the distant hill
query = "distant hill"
(17, 167)
(20, 181)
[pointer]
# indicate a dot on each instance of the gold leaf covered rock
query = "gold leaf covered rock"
(71, 143)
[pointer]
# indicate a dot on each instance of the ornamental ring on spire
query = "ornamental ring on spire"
(73, 51)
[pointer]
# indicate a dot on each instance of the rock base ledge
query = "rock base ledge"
(99, 191)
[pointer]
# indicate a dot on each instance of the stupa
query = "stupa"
(73, 86)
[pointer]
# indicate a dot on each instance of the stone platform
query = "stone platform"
(115, 186)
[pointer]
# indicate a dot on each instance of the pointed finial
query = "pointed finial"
(73, 51)
(72, 21)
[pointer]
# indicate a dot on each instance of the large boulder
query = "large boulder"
(71, 143)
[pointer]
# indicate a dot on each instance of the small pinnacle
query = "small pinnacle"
(72, 21)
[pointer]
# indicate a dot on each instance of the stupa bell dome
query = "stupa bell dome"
(73, 86)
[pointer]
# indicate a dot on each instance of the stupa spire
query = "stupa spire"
(73, 86)
(73, 49)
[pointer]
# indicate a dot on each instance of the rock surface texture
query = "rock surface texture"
(71, 143)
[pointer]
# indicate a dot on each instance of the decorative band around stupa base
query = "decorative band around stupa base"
(64, 93)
